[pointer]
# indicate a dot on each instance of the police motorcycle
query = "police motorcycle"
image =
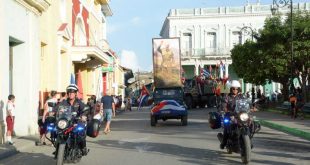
(68, 133)
(240, 128)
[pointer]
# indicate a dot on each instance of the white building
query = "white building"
(208, 34)
(19, 56)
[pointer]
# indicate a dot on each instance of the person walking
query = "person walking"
(10, 118)
(108, 105)
(48, 112)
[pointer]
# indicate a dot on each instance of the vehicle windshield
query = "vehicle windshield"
(63, 111)
(242, 105)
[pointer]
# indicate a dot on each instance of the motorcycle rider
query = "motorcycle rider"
(76, 106)
(229, 106)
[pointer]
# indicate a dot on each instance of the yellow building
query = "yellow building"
(73, 42)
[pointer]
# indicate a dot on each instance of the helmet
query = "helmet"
(72, 87)
(235, 84)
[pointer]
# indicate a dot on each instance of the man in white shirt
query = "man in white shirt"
(10, 118)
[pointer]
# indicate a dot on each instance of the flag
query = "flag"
(206, 73)
(72, 79)
(222, 66)
(143, 96)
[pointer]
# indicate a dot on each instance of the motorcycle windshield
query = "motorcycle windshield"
(64, 111)
(242, 105)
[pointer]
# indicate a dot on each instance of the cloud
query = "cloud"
(135, 20)
(129, 60)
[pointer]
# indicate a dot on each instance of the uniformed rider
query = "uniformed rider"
(76, 106)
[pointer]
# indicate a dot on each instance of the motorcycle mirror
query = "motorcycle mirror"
(51, 104)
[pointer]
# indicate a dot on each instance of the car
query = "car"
(168, 104)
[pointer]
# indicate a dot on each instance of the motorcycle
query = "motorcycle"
(240, 128)
(68, 133)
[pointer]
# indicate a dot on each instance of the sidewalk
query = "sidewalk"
(21, 144)
(281, 122)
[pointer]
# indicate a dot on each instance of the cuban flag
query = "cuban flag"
(206, 73)
(170, 105)
(143, 96)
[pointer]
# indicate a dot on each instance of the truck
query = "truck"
(202, 93)
(168, 91)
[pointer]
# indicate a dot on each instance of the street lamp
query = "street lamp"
(279, 4)
(247, 30)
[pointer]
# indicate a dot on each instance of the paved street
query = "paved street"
(134, 142)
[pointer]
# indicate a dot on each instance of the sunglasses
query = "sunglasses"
(234, 88)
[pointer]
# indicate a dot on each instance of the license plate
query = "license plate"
(165, 112)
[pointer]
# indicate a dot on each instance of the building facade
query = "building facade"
(208, 34)
(20, 65)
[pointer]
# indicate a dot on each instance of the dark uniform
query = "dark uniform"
(77, 106)
(230, 104)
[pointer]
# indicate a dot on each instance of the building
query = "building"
(208, 34)
(74, 43)
(20, 65)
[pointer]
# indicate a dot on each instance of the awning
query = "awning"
(82, 54)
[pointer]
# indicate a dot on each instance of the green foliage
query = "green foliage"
(269, 58)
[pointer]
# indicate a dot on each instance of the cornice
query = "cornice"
(36, 6)
(217, 16)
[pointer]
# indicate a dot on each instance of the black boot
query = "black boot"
(85, 151)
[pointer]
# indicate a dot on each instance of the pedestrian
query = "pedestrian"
(108, 105)
(10, 119)
(293, 101)
(48, 112)
(300, 103)
(63, 96)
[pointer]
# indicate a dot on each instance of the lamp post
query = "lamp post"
(279, 4)
(247, 30)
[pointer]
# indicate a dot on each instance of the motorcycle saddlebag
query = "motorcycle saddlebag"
(214, 120)
(93, 128)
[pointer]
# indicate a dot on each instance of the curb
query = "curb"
(8, 153)
(292, 131)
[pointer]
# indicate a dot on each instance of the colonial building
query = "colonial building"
(74, 43)
(20, 61)
(208, 34)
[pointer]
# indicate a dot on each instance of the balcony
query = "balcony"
(102, 2)
(37, 6)
(205, 52)
(82, 54)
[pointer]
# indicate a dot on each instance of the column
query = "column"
(226, 70)
(196, 69)
(221, 72)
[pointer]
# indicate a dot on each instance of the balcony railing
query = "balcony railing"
(205, 52)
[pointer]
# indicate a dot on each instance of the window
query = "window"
(187, 43)
(211, 40)
(236, 38)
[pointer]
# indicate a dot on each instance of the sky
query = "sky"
(135, 22)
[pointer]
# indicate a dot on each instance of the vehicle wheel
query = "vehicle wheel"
(184, 120)
(246, 149)
(229, 151)
(153, 121)
(60, 154)
(189, 102)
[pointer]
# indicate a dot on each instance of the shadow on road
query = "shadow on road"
(186, 154)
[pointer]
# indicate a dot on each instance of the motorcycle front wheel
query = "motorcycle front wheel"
(60, 154)
(246, 149)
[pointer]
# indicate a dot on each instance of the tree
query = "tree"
(268, 59)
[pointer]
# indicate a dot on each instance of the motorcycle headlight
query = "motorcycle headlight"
(244, 116)
(62, 124)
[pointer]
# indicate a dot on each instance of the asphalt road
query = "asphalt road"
(134, 142)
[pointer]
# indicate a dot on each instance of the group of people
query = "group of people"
(297, 102)
(105, 107)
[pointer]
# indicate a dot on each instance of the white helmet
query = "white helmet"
(72, 88)
(235, 84)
